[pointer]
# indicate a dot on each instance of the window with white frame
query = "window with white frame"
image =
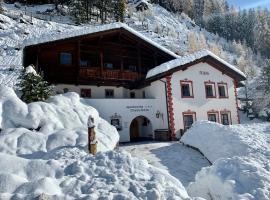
(210, 90)
(188, 118)
(109, 93)
(186, 89)
(85, 93)
(223, 90)
(225, 117)
(213, 116)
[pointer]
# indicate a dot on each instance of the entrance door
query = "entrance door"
(134, 130)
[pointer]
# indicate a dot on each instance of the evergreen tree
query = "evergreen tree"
(120, 10)
(265, 77)
(1, 7)
(33, 87)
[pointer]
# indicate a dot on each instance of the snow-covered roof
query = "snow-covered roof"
(89, 30)
(181, 61)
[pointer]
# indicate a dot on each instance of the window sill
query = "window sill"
(187, 97)
(223, 97)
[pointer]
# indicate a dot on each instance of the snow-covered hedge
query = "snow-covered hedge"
(240, 156)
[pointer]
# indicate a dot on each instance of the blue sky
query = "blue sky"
(246, 4)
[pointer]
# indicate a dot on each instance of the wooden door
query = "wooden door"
(134, 130)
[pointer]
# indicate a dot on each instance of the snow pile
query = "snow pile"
(189, 59)
(43, 154)
(240, 156)
(232, 179)
(71, 173)
(63, 118)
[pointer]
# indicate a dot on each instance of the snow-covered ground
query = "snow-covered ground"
(241, 160)
(180, 161)
(43, 152)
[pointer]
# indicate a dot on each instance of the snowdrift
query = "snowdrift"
(71, 173)
(240, 156)
(42, 126)
(43, 155)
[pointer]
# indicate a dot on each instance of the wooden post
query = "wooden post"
(92, 142)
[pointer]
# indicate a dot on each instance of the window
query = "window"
(109, 93)
(186, 89)
(65, 58)
(108, 65)
(132, 95)
(132, 68)
(213, 116)
(143, 95)
(225, 118)
(86, 93)
(65, 90)
(222, 90)
(188, 119)
(210, 89)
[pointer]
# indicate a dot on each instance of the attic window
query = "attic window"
(65, 58)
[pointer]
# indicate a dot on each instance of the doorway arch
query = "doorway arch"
(140, 129)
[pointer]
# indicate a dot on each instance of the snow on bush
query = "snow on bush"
(60, 121)
(240, 156)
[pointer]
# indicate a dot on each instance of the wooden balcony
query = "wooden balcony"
(95, 73)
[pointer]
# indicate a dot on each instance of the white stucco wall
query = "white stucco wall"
(200, 104)
(96, 92)
(129, 109)
(155, 100)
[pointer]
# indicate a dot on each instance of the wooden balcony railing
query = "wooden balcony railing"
(86, 73)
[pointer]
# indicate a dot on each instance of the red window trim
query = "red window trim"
(214, 112)
(214, 86)
(226, 112)
(226, 90)
(189, 113)
(183, 82)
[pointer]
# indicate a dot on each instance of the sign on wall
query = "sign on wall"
(140, 108)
